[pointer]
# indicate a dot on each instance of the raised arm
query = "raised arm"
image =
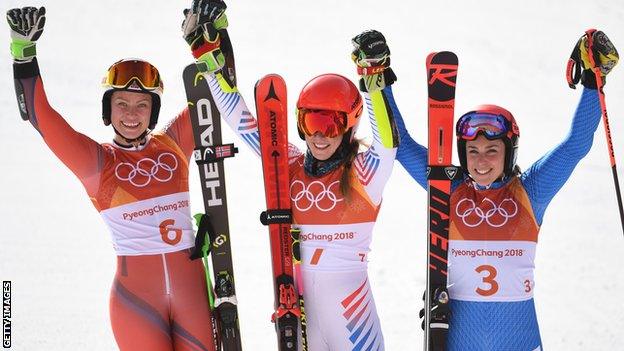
(202, 26)
(546, 176)
(372, 57)
(83, 156)
(411, 155)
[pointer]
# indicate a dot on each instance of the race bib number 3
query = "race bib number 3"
(491, 271)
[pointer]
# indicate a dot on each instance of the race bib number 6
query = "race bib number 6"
(170, 235)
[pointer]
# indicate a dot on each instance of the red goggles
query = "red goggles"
(329, 123)
(122, 73)
(490, 125)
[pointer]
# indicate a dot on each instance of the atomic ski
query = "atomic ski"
(270, 93)
(441, 76)
(296, 253)
(213, 235)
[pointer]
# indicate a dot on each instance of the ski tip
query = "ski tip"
(447, 57)
(270, 87)
(270, 77)
(430, 56)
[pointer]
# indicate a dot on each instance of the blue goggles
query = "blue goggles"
(490, 125)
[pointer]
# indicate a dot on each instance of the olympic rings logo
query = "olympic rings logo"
(142, 173)
(505, 210)
(314, 194)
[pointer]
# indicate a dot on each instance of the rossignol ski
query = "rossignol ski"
(213, 235)
(270, 93)
(441, 76)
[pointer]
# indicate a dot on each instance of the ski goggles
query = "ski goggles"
(329, 123)
(123, 72)
(490, 125)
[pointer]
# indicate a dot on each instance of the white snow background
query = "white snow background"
(55, 248)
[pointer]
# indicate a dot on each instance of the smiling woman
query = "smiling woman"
(485, 159)
(335, 190)
(487, 144)
(140, 170)
(495, 208)
(130, 114)
(131, 100)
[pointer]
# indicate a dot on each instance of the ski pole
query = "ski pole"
(605, 120)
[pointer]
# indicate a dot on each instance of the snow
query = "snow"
(56, 250)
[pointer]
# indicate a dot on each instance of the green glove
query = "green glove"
(26, 27)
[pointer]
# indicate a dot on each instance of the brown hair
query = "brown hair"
(345, 178)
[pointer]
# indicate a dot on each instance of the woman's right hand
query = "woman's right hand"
(26, 27)
(372, 57)
(200, 28)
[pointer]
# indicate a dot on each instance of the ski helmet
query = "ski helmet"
(493, 122)
(133, 75)
(329, 103)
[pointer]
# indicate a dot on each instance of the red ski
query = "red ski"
(270, 93)
(441, 76)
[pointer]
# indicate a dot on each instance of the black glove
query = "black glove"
(204, 237)
(372, 57)
(26, 27)
(583, 62)
(200, 28)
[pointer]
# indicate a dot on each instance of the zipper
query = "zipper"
(166, 273)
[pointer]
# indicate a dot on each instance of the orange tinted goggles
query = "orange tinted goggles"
(329, 123)
(123, 72)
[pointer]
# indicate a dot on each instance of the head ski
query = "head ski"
(213, 234)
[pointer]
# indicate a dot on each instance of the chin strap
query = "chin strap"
(136, 141)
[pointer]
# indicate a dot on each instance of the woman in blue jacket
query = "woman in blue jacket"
(497, 210)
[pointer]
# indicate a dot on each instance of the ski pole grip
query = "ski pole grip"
(276, 216)
(205, 232)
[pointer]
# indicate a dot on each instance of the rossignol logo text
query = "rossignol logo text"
(441, 105)
(209, 170)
